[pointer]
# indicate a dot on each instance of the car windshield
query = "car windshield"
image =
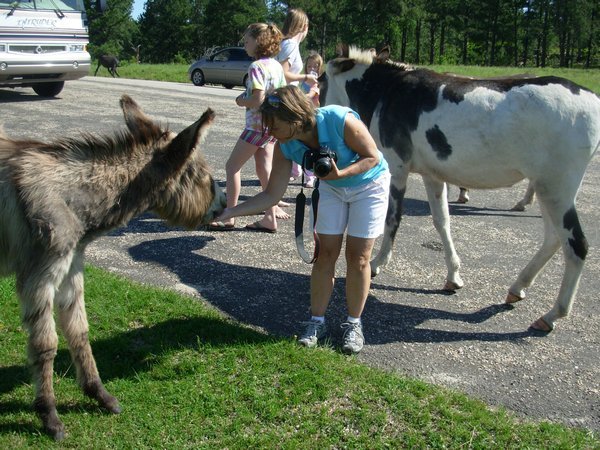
(63, 5)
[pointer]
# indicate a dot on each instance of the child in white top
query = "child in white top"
(261, 41)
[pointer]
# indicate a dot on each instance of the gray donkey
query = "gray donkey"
(55, 198)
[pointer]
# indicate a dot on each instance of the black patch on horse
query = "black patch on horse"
(397, 198)
(439, 143)
(578, 243)
(457, 87)
(399, 97)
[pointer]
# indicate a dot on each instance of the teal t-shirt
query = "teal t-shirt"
(330, 126)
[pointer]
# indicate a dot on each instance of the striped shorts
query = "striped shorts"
(256, 138)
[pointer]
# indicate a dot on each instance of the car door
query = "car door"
(217, 66)
(239, 62)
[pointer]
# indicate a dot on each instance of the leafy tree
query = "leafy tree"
(223, 23)
(485, 32)
(167, 31)
(111, 31)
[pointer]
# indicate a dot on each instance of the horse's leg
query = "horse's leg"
(526, 200)
(392, 220)
(73, 322)
(438, 202)
(36, 287)
(562, 214)
(527, 276)
(97, 67)
(463, 195)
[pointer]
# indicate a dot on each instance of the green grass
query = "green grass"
(178, 73)
(189, 378)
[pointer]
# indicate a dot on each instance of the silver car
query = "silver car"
(228, 66)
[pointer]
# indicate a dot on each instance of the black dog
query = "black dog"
(110, 62)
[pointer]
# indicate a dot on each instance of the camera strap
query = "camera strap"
(299, 222)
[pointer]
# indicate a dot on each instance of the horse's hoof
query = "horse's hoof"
(513, 298)
(374, 271)
(518, 207)
(541, 325)
(451, 286)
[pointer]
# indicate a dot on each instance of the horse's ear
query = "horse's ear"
(341, 65)
(342, 50)
(185, 142)
(384, 54)
(137, 122)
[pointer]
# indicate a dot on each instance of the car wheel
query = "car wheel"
(198, 78)
(245, 80)
(228, 86)
(48, 89)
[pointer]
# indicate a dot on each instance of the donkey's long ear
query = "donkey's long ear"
(184, 144)
(138, 123)
(384, 54)
(342, 50)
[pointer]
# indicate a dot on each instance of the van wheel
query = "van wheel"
(49, 89)
(228, 86)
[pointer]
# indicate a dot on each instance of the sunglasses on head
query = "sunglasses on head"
(274, 101)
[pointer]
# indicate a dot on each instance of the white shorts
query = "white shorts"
(358, 210)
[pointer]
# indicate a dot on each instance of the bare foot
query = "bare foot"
(283, 204)
(281, 214)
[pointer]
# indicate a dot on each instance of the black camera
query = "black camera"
(319, 161)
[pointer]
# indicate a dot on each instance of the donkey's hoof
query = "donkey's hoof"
(541, 325)
(513, 298)
(59, 435)
(56, 430)
(111, 404)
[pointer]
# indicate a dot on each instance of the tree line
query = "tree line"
(534, 33)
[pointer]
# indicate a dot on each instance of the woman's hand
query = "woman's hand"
(334, 174)
(225, 215)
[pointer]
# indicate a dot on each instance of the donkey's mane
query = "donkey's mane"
(368, 57)
(99, 147)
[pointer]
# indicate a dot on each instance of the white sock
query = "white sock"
(353, 319)
(320, 319)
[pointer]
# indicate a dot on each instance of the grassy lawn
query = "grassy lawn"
(178, 73)
(189, 378)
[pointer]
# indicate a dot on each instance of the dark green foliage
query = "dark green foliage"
(533, 33)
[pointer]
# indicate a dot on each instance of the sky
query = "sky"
(138, 8)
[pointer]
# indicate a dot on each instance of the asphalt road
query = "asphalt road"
(468, 342)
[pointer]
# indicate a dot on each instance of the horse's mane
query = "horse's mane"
(370, 56)
(361, 56)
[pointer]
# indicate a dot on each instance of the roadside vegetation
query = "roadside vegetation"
(189, 378)
(589, 78)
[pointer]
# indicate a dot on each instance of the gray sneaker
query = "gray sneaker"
(313, 332)
(353, 339)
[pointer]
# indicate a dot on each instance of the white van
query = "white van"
(43, 43)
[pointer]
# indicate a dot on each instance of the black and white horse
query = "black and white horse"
(481, 134)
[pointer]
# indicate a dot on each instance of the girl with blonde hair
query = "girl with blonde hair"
(265, 74)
